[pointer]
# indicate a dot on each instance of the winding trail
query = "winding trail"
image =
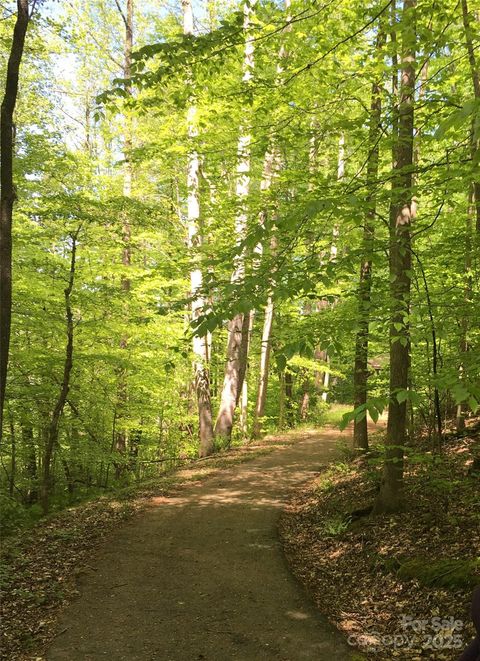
(201, 575)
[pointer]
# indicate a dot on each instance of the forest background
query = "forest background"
(227, 216)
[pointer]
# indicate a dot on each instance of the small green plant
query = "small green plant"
(325, 485)
(336, 526)
(341, 467)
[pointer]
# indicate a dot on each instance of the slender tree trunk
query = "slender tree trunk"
(31, 463)
(13, 459)
(200, 345)
(281, 400)
(236, 361)
(288, 382)
(7, 192)
(122, 387)
(68, 477)
(360, 372)
(390, 496)
(264, 369)
(436, 395)
(271, 166)
(53, 428)
(305, 397)
(468, 289)
(244, 409)
(333, 251)
(244, 395)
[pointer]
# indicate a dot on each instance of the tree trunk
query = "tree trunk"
(290, 414)
(234, 375)
(281, 400)
(244, 395)
(468, 294)
(390, 496)
(13, 459)
(334, 250)
(53, 428)
(8, 193)
(31, 464)
(360, 372)
(264, 369)
(200, 347)
(122, 390)
(305, 398)
(236, 360)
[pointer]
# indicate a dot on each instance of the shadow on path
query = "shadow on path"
(201, 575)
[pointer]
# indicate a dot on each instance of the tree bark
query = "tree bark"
(234, 375)
(271, 166)
(333, 253)
(281, 400)
(244, 395)
(122, 389)
(236, 360)
(390, 496)
(360, 372)
(53, 428)
(468, 294)
(8, 192)
(290, 413)
(200, 346)
(13, 459)
(31, 464)
(264, 369)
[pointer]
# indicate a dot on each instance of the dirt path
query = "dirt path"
(201, 575)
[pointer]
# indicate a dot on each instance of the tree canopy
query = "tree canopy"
(248, 210)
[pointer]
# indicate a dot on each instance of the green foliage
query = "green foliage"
(335, 526)
(374, 407)
(132, 365)
(12, 514)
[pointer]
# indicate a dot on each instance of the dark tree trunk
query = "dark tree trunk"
(53, 428)
(8, 193)
(31, 464)
(360, 373)
(390, 496)
(68, 477)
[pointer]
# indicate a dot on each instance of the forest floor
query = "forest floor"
(191, 566)
(383, 580)
(188, 568)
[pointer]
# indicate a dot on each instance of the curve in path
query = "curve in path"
(201, 575)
